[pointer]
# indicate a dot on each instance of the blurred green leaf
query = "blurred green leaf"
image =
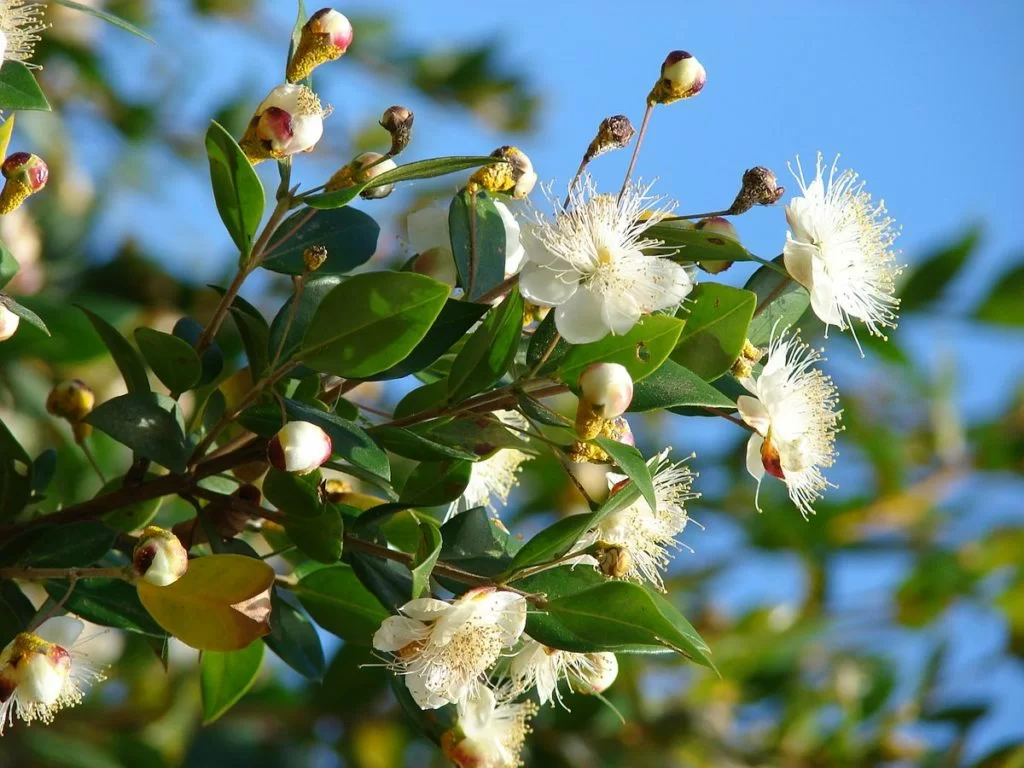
(8, 266)
(931, 275)
(71, 545)
(16, 611)
(319, 537)
(110, 18)
(224, 678)
(1003, 305)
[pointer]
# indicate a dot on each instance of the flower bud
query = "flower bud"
(608, 388)
(159, 558)
(25, 175)
(325, 37)
(71, 400)
(612, 560)
(398, 122)
(614, 133)
(288, 121)
(364, 167)
(299, 447)
(722, 229)
(314, 257)
(9, 323)
(598, 675)
(760, 187)
(515, 176)
(682, 76)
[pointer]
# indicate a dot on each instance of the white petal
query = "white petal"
(60, 630)
(307, 131)
(799, 216)
(514, 251)
(823, 301)
(396, 632)
(546, 287)
(476, 710)
(428, 229)
(512, 615)
(580, 320)
(799, 261)
(755, 466)
(424, 697)
(620, 312)
(754, 413)
(426, 608)
(536, 251)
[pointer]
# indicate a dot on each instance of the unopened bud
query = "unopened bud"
(682, 76)
(9, 323)
(299, 447)
(325, 37)
(612, 560)
(515, 176)
(314, 257)
(25, 175)
(614, 133)
(288, 121)
(368, 165)
(608, 388)
(598, 674)
(159, 558)
(71, 400)
(398, 122)
(720, 229)
(760, 187)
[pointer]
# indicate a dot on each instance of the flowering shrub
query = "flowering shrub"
(391, 523)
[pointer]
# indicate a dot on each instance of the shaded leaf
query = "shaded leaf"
(340, 604)
(478, 242)
(716, 327)
(436, 482)
(225, 677)
(489, 351)
(128, 361)
(349, 235)
(172, 359)
(148, 423)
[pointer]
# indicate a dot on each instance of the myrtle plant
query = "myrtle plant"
(532, 320)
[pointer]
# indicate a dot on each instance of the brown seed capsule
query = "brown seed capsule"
(614, 133)
(398, 122)
(760, 187)
(314, 257)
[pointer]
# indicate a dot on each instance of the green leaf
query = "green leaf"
(110, 18)
(25, 314)
(10, 448)
(294, 638)
(541, 341)
(19, 90)
(420, 169)
(349, 235)
(318, 537)
(422, 399)
(412, 445)
(253, 329)
(631, 461)
(340, 604)
(16, 611)
(130, 517)
(478, 242)
(389, 582)
(489, 352)
(71, 545)
(237, 189)
(424, 558)
(641, 351)
(295, 495)
(716, 327)
(8, 266)
(474, 541)
(212, 359)
(148, 423)
(697, 244)
(110, 602)
(672, 386)
(1003, 305)
(44, 467)
(224, 678)
(312, 295)
(933, 274)
(781, 302)
(370, 322)
(455, 319)
(128, 361)
(172, 359)
(436, 482)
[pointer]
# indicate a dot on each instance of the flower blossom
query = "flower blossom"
(491, 480)
(537, 665)
(20, 25)
(490, 731)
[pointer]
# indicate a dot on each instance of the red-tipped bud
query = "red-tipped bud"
(608, 388)
(288, 121)
(682, 76)
(9, 323)
(25, 175)
(598, 675)
(159, 558)
(299, 447)
(325, 37)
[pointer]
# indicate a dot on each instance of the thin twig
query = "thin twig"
(92, 461)
(682, 217)
(29, 573)
(636, 148)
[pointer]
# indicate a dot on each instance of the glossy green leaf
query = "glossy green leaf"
(541, 342)
(696, 244)
(424, 558)
(422, 399)
(931, 276)
(313, 294)
(781, 302)
(128, 361)
(19, 90)
(318, 537)
(340, 604)
(673, 386)
(349, 235)
(212, 359)
(641, 351)
(225, 677)
(295, 495)
(172, 359)
(478, 242)
(1003, 305)
(110, 18)
(436, 482)
(294, 638)
(474, 541)
(717, 319)
(148, 423)
(8, 266)
(418, 447)
(389, 582)
(632, 463)
(71, 545)
(420, 169)
(109, 602)
(489, 352)
(370, 322)
(237, 189)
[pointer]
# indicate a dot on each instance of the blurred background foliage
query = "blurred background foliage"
(887, 630)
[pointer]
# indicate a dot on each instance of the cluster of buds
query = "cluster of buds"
(398, 121)
(614, 133)
(515, 176)
(9, 322)
(159, 558)
(72, 400)
(363, 168)
(325, 37)
(682, 76)
(750, 356)
(721, 229)
(299, 447)
(760, 187)
(24, 174)
(288, 121)
(606, 390)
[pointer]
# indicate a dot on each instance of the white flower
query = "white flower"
(640, 537)
(795, 421)
(19, 30)
(839, 247)
(159, 558)
(9, 323)
(590, 264)
(537, 665)
(443, 648)
(490, 731)
(41, 672)
(299, 447)
(492, 480)
(429, 234)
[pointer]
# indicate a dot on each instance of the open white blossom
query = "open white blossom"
(490, 731)
(793, 412)
(638, 539)
(42, 672)
(443, 648)
(492, 480)
(537, 665)
(589, 263)
(840, 247)
(20, 25)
